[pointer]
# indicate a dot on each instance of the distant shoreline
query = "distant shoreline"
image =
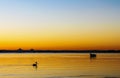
(59, 51)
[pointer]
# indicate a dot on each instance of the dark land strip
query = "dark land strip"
(59, 51)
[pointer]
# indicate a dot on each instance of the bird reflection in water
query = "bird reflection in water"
(35, 65)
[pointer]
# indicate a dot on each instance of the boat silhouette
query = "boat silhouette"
(92, 55)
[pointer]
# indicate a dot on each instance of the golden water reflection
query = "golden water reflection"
(59, 66)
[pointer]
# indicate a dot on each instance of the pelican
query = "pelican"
(35, 64)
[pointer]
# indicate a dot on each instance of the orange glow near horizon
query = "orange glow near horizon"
(79, 40)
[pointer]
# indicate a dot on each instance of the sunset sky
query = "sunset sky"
(60, 24)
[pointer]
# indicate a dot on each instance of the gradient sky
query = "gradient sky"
(60, 24)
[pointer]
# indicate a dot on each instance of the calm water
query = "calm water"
(59, 66)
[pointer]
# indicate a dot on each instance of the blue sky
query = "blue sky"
(62, 21)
